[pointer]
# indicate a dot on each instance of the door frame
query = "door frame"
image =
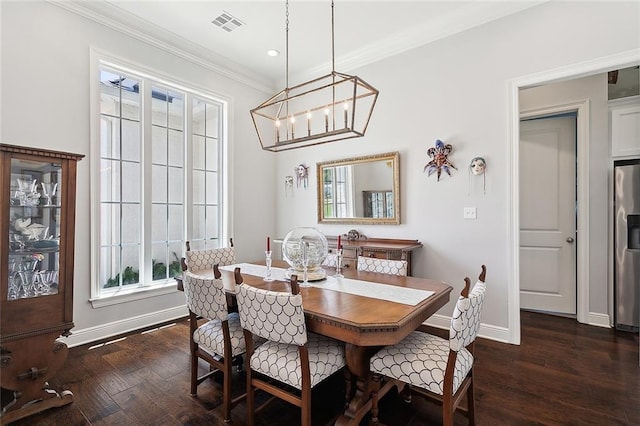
(582, 69)
(581, 154)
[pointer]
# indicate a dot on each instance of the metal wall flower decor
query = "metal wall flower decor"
(439, 159)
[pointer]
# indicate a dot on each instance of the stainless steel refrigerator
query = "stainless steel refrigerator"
(627, 244)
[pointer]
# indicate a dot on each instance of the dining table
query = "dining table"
(365, 310)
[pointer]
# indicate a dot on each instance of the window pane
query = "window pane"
(158, 107)
(109, 224)
(130, 95)
(159, 183)
(212, 188)
(176, 144)
(174, 266)
(109, 137)
(198, 187)
(110, 271)
(131, 140)
(212, 222)
(175, 224)
(176, 191)
(131, 223)
(176, 110)
(198, 230)
(109, 180)
(130, 265)
(212, 154)
(159, 261)
(199, 118)
(159, 142)
(198, 152)
(212, 120)
(131, 182)
(159, 222)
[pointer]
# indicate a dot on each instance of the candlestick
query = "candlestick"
(326, 119)
(277, 130)
(338, 273)
(293, 127)
(346, 114)
(267, 261)
(309, 123)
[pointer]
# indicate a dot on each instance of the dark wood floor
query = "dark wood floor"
(562, 373)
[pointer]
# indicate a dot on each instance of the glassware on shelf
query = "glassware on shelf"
(27, 279)
(49, 191)
(26, 193)
(268, 276)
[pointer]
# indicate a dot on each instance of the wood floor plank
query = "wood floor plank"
(563, 373)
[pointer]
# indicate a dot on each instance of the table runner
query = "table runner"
(391, 293)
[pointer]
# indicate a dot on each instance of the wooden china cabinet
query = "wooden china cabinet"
(37, 229)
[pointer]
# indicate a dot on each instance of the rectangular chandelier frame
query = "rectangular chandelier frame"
(333, 107)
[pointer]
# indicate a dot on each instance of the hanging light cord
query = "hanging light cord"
(287, 44)
(333, 42)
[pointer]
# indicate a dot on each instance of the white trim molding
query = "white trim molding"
(581, 69)
(115, 328)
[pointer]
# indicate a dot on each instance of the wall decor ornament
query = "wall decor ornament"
(439, 159)
(478, 167)
(288, 185)
(302, 175)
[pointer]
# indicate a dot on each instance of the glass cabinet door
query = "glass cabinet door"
(34, 228)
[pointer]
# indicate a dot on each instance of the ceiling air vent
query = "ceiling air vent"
(227, 21)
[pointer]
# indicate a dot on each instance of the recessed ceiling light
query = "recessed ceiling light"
(273, 52)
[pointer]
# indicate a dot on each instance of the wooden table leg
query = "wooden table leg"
(357, 358)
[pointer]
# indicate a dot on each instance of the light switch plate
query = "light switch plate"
(469, 213)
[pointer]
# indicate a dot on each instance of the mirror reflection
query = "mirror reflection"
(361, 190)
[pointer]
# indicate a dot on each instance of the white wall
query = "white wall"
(45, 103)
(456, 90)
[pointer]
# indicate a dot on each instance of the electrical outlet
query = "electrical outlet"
(469, 213)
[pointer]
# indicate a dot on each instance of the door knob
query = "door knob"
(570, 240)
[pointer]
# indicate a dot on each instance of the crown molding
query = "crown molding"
(412, 38)
(121, 21)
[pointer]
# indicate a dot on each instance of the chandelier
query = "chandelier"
(333, 107)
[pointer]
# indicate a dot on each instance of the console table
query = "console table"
(381, 248)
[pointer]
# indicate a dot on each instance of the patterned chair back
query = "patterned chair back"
(465, 321)
(272, 315)
(383, 266)
(205, 297)
(331, 260)
(206, 258)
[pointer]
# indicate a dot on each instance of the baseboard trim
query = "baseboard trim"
(491, 332)
(104, 331)
(599, 320)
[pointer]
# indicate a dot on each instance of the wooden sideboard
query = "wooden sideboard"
(381, 248)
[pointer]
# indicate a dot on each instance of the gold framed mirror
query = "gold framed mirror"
(360, 190)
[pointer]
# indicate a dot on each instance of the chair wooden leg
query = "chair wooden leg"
(470, 402)
(250, 397)
(194, 373)
(348, 386)
(226, 391)
(447, 410)
(375, 387)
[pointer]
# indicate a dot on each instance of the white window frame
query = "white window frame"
(146, 287)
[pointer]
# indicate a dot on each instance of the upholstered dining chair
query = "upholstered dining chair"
(383, 266)
(219, 341)
(197, 260)
(331, 261)
(434, 367)
(290, 356)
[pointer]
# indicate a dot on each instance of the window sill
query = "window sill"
(130, 295)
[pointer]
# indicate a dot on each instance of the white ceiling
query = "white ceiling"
(365, 31)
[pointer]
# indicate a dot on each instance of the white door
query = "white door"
(548, 214)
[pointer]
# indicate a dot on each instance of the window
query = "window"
(161, 181)
(338, 191)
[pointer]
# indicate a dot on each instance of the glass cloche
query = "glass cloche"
(308, 244)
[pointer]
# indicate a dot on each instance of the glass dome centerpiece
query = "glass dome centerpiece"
(305, 246)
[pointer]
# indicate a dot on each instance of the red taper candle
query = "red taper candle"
(339, 243)
(268, 244)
